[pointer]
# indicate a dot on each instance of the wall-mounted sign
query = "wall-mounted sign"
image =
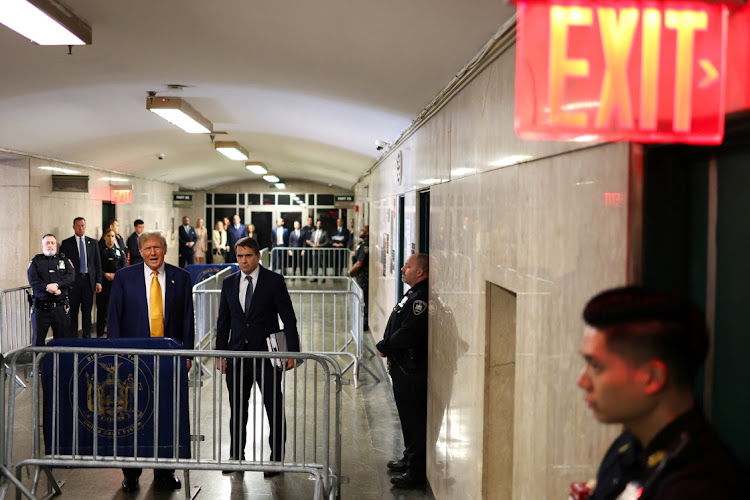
(344, 200)
(121, 195)
(182, 199)
(621, 70)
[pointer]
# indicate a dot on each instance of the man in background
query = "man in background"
(296, 242)
(340, 239)
(135, 254)
(319, 240)
(187, 238)
(361, 269)
(84, 253)
(305, 234)
(235, 232)
(280, 239)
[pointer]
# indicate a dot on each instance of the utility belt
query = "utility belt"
(44, 305)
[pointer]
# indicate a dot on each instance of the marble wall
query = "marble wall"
(14, 193)
(545, 230)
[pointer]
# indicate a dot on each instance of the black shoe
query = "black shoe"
(270, 474)
(396, 465)
(407, 481)
(323, 280)
(129, 484)
(314, 280)
(230, 472)
(167, 483)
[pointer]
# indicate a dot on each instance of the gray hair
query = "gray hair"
(151, 235)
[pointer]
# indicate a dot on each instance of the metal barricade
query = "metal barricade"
(331, 322)
(206, 295)
(91, 419)
(15, 319)
(310, 262)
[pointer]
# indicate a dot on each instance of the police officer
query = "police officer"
(50, 276)
(405, 345)
(361, 268)
(113, 259)
(643, 350)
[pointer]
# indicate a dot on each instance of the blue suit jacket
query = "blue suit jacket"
(284, 236)
(93, 258)
(295, 241)
(128, 310)
(233, 235)
(270, 300)
(185, 238)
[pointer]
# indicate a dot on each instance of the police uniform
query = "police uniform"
(685, 461)
(113, 259)
(405, 344)
(362, 254)
(49, 310)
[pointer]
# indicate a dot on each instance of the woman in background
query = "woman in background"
(113, 259)
(219, 241)
(251, 232)
(201, 246)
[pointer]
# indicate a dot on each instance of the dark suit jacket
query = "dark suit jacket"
(270, 300)
(323, 239)
(135, 253)
(342, 237)
(128, 310)
(233, 235)
(93, 258)
(120, 244)
(295, 241)
(185, 238)
(306, 232)
(284, 236)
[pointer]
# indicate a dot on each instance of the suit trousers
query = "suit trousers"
(410, 392)
(186, 259)
(102, 307)
(242, 375)
(81, 296)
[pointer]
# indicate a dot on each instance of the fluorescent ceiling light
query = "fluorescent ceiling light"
(61, 170)
(429, 182)
(114, 179)
(280, 185)
(256, 168)
(231, 150)
(271, 178)
(506, 161)
(463, 171)
(179, 113)
(45, 22)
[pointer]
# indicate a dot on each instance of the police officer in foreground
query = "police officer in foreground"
(50, 276)
(643, 350)
(405, 345)
(361, 268)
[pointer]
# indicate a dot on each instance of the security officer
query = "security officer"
(643, 350)
(50, 276)
(405, 345)
(361, 268)
(113, 259)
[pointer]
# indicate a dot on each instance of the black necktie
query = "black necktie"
(248, 294)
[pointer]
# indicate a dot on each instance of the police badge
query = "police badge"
(419, 307)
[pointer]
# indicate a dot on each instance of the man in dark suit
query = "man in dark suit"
(296, 241)
(340, 239)
(135, 254)
(235, 232)
(187, 239)
(251, 303)
(306, 232)
(83, 252)
(280, 238)
(152, 299)
(319, 239)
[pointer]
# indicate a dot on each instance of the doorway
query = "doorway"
(108, 212)
(424, 221)
(264, 218)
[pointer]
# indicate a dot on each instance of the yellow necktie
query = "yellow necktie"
(157, 311)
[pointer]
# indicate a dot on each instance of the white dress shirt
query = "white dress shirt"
(243, 285)
(162, 277)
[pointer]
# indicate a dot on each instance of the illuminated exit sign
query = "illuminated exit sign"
(621, 70)
(121, 195)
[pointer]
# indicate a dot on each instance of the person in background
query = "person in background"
(133, 252)
(235, 232)
(113, 259)
(85, 256)
(361, 270)
(113, 223)
(251, 233)
(201, 244)
(187, 238)
(219, 241)
(280, 239)
(340, 238)
(50, 275)
(306, 232)
(296, 242)
(643, 350)
(319, 239)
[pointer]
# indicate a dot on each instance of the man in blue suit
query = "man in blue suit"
(235, 232)
(251, 303)
(83, 252)
(280, 239)
(152, 299)
(187, 239)
(296, 241)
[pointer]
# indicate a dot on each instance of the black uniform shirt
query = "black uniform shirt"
(405, 338)
(362, 254)
(44, 270)
(685, 461)
(113, 259)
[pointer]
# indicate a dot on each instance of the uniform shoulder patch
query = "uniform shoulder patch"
(419, 307)
(366, 249)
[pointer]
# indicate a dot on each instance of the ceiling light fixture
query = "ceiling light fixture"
(271, 178)
(507, 161)
(256, 168)
(115, 179)
(280, 185)
(60, 170)
(231, 150)
(179, 113)
(45, 22)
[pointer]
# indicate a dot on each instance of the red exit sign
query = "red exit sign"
(122, 196)
(621, 70)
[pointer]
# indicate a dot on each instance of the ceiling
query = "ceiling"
(306, 86)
